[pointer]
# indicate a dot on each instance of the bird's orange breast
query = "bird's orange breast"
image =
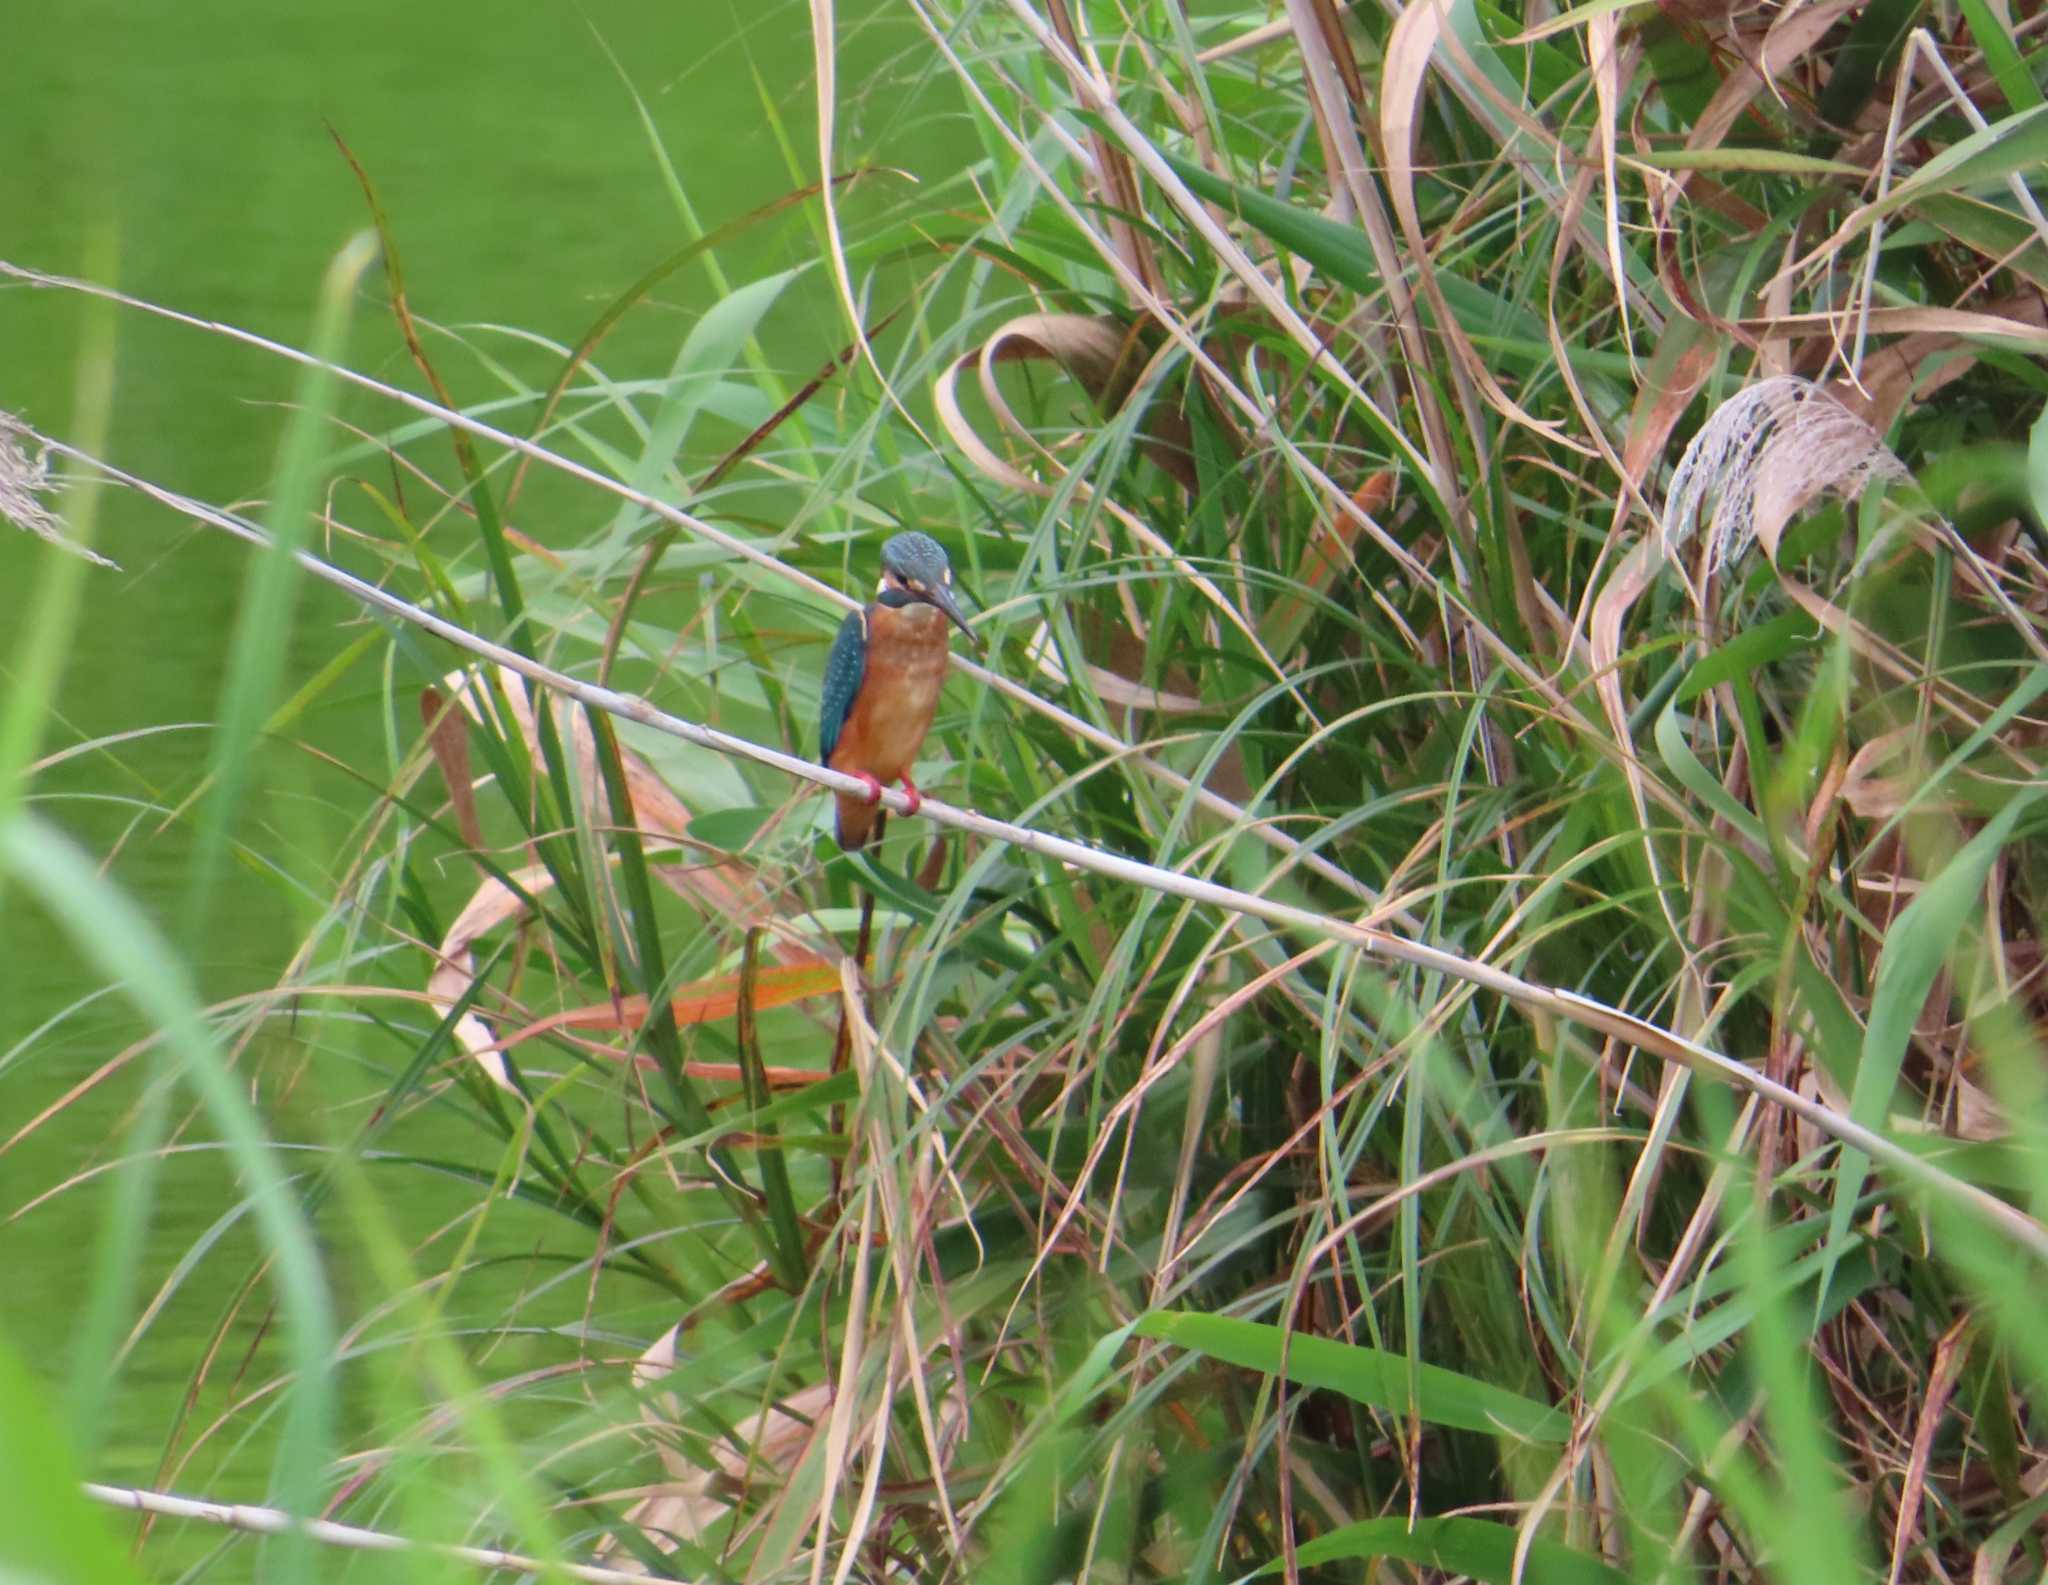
(899, 692)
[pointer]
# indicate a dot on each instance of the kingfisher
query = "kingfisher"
(882, 680)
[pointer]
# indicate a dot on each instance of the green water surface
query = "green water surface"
(188, 153)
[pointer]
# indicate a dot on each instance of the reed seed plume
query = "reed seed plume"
(24, 481)
(1764, 453)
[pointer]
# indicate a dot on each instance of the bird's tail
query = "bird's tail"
(860, 822)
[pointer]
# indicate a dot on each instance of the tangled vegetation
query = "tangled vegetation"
(1540, 511)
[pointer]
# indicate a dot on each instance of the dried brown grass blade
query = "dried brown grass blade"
(450, 744)
(1116, 182)
(1329, 553)
(1412, 41)
(1103, 355)
(763, 1449)
(1092, 345)
(492, 904)
(725, 889)
(1873, 795)
(1949, 1354)
(1603, 57)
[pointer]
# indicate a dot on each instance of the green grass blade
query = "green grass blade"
(263, 625)
(112, 933)
(1916, 947)
(1478, 1548)
(48, 1530)
(1367, 1375)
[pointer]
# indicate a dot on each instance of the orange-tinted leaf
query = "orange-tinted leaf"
(776, 986)
(702, 1002)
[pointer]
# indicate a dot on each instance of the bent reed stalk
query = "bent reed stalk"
(1108, 742)
(1583, 1011)
(275, 1521)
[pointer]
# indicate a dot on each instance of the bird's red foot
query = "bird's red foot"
(916, 798)
(874, 788)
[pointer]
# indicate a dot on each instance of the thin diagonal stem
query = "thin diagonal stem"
(1582, 1011)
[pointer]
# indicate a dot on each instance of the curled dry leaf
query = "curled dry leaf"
(1098, 351)
(1115, 660)
(1794, 32)
(1683, 359)
(1685, 356)
(1414, 39)
(492, 904)
(2012, 322)
(1932, 354)
(1100, 354)
(722, 890)
(656, 810)
(762, 1451)
(1603, 57)
(1637, 570)
(1874, 795)
(1761, 456)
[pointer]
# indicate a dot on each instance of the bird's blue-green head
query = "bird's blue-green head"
(914, 569)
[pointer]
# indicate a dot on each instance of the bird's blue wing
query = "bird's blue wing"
(843, 669)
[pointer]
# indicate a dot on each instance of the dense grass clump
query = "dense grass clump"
(1509, 542)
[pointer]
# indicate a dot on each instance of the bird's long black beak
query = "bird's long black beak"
(939, 595)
